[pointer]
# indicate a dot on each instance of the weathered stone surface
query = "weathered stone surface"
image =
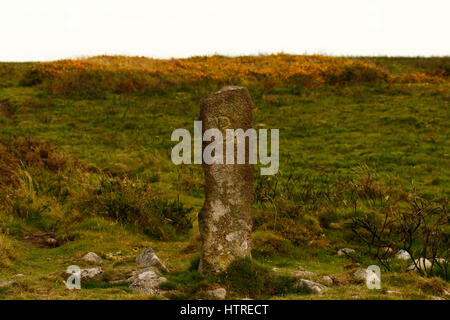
(135, 274)
(225, 221)
(219, 293)
(365, 274)
(422, 264)
(344, 251)
(147, 282)
(92, 257)
(148, 258)
(309, 286)
(360, 274)
(91, 273)
(403, 255)
(328, 280)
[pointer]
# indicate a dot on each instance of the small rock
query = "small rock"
(219, 293)
(403, 255)
(345, 251)
(302, 273)
(328, 280)
(51, 241)
(423, 264)
(310, 286)
(363, 274)
(148, 282)
(91, 273)
(275, 269)
(148, 258)
(441, 261)
(18, 275)
(92, 257)
(135, 274)
(5, 283)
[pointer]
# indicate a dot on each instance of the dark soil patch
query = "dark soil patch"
(45, 240)
(6, 109)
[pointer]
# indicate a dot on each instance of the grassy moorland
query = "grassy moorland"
(364, 164)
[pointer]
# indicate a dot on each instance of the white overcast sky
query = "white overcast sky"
(56, 29)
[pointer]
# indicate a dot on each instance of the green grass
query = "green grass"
(398, 132)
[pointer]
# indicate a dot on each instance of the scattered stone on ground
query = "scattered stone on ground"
(364, 274)
(302, 273)
(361, 274)
(148, 282)
(328, 280)
(51, 242)
(148, 258)
(345, 251)
(422, 264)
(388, 250)
(92, 257)
(309, 286)
(135, 274)
(5, 283)
(219, 293)
(87, 274)
(403, 255)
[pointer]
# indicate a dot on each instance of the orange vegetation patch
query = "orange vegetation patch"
(126, 74)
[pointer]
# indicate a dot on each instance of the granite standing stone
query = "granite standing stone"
(225, 220)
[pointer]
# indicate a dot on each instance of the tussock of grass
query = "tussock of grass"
(7, 251)
(248, 278)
